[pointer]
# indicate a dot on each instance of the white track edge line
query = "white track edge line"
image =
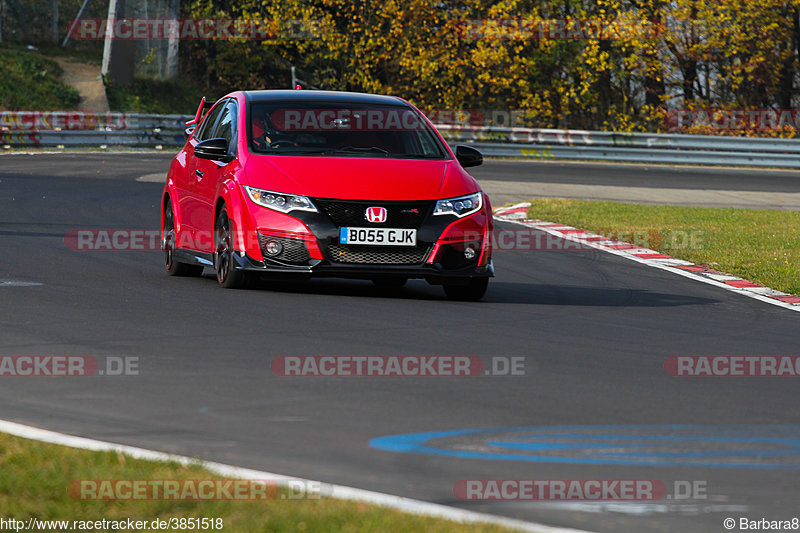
(400, 503)
(652, 263)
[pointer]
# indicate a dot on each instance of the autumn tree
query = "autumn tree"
(608, 64)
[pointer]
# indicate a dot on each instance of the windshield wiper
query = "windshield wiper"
(358, 150)
(420, 156)
(278, 151)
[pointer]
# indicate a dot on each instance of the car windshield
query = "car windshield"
(342, 130)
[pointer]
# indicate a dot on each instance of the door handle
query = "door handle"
(199, 173)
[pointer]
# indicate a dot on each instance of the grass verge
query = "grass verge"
(762, 246)
(29, 80)
(36, 476)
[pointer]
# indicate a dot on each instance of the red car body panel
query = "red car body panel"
(360, 178)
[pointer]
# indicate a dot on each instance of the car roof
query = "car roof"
(322, 96)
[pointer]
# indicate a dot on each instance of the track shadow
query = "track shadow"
(539, 294)
(414, 290)
(499, 293)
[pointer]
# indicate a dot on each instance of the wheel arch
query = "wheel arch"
(170, 195)
(230, 196)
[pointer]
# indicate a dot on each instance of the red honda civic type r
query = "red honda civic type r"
(319, 183)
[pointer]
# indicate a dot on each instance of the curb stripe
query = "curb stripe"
(656, 259)
(653, 256)
(741, 284)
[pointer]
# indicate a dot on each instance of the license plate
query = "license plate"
(378, 236)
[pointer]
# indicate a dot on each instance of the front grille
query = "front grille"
(408, 215)
(377, 255)
(294, 250)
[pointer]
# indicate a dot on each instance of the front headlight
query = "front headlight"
(460, 207)
(280, 201)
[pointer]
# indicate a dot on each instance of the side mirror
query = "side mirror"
(214, 149)
(188, 133)
(468, 156)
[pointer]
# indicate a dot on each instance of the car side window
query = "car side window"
(207, 126)
(226, 127)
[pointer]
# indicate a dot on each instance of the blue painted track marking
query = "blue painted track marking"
(739, 446)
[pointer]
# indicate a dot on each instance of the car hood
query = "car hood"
(359, 178)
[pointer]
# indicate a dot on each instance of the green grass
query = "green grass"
(762, 246)
(146, 95)
(83, 51)
(30, 81)
(35, 477)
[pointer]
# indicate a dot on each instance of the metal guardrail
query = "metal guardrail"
(54, 129)
(152, 138)
(36, 129)
(639, 155)
(26, 121)
(667, 148)
(621, 140)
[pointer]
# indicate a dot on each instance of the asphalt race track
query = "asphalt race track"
(594, 330)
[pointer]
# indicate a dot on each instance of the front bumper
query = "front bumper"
(434, 273)
(439, 254)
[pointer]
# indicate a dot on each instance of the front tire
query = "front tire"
(168, 246)
(224, 262)
(472, 291)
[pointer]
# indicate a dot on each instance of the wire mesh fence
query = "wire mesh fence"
(40, 22)
(46, 23)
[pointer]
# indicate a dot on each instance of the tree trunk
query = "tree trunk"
(689, 70)
(119, 55)
(789, 66)
(54, 25)
(174, 41)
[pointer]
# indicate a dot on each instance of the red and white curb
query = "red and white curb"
(518, 214)
(400, 503)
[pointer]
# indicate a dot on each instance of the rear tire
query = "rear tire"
(224, 262)
(472, 291)
(168, 246)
